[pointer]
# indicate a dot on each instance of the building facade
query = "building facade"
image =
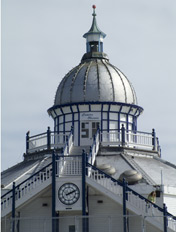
(94, 171)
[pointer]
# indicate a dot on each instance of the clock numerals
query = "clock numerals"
(68, 193)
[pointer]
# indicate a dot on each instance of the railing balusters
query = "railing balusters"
(135, 199)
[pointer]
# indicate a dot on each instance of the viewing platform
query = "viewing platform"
(51, 140)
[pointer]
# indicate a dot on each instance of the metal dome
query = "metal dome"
(95, 80)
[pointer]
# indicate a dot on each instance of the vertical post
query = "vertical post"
(53, 192)
(95, 141)
(84, 191)
(165, 217)
(48, 138)
(13, 207)
(90, 152)
(27, 141)
(72, 131)
(124, 206)
(154, 139)
(67, 144)
(123, 135)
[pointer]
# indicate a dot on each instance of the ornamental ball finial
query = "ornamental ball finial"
(93, 6)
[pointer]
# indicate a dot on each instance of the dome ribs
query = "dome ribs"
(132, 89)
(74, 78)
(63, 84)
(133, 93)
(98, 79)
(113, 90)
(121, 81)
(95, 80)
(85, 80)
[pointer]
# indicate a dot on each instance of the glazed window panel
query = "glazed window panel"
(76, 116)
(76, 129)
(66, 110)
(125, 109)
(130, 118)
(68, 117)
(58, 111)
(122, 117)
(113, 125)
(95, 107)
(68, 126)
(60, 127)
(74, 108)
(53, 114)
(105, 107)
(129, 127)
(115, 108)
(113, 116)
(105, 125)
(105, 116)
(61, 119)
(83, 108)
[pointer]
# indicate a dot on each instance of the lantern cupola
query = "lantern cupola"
(94, 37)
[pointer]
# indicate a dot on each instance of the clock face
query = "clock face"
(68, 193)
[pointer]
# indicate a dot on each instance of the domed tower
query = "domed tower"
(96, 150)
(94, 94)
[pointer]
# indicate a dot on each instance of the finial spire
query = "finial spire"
(94, 7)
(94, 36)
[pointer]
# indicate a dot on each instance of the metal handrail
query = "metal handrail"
(94, 146)
(66, 148)
(130, 190)
(35, 174)
(120, 137)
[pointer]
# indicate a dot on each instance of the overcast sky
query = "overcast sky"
(42, 40)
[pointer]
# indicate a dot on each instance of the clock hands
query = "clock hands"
(70, 192)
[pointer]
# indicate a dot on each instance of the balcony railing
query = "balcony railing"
(47, 140)
(132, 139)
(116, 137)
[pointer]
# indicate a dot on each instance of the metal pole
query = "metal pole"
(165, 217)
(123, 135)
(124, 207)
(154, 139)
(67, 144)
(27, 141)
(90, 152)
(72, 131)
(53, 192)
(48, 138)
(84, 191)
(13, 207)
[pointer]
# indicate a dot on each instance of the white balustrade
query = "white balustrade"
(26, 188)
(139, 139)
(94, 148)
(111, 138)
(69, 166)
(57, 140)
(70, 142)
(101, 179)
(38, 143)
(132, 139)
(146, 209)
(172, 223)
